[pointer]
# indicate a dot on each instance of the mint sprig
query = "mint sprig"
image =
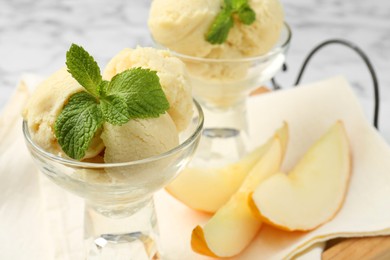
(134, 93)
(220, 28)
(83, 68)
(224, 21)
(145, 97)
(77, 124)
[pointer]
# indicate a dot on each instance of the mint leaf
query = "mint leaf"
(247, 15)
(102, 88)
(83, 68)
(141, 90)
(237, 5)
(220, 28)
(115, 110)
(79, 120)
(228, 3)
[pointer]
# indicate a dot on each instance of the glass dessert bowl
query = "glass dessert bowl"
(120, 219)
(222, 86)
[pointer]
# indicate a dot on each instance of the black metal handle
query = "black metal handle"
(360, 53)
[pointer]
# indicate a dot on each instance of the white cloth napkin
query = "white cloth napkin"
(38, 220)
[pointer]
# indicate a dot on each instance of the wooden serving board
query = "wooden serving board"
(370, 248)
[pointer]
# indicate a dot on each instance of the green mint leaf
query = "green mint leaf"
(83, 68)
(219, 30)
(228, 3)
(237, 5)
(79, 120)
(223, 22)
(247, 15)
(102, 88)
(141, 90)
(115, 110)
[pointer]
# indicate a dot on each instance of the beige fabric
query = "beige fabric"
(19, 194)
(34, 213)
(41, 221)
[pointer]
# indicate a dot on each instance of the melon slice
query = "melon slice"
(234, 225)
(210, 188)
(313, 192)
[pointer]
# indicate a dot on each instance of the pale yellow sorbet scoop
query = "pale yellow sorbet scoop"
(182, 25)
(43, 108)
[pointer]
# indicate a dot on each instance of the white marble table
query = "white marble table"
(35, 34)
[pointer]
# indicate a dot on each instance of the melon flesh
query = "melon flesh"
(234, 226)
(313, 192)
(209, 189)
